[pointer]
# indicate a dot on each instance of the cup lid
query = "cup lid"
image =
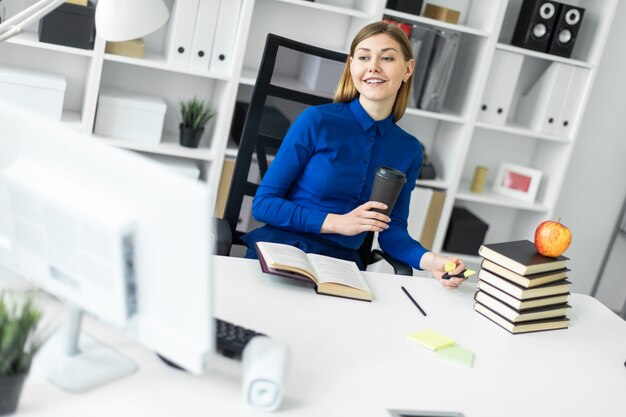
(391, 174)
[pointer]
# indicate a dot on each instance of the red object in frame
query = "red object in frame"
(516, 181)
(406, 28)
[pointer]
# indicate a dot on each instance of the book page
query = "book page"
(338, 271)
(279, 256)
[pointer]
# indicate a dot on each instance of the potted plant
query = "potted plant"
(18, 344)
(195, 114)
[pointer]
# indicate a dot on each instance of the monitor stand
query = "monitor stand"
(76, 362)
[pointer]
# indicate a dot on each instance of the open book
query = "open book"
(331, 276)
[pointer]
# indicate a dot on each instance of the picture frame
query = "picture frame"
(517, 181)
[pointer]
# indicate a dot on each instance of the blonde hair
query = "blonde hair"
(346, 91)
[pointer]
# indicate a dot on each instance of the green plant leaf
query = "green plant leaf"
(196, 113)
(18, 339)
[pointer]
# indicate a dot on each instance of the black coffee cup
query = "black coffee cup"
(387, 185)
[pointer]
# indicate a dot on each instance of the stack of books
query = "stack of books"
(521, 290)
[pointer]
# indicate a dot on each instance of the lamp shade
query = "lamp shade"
(122, 20)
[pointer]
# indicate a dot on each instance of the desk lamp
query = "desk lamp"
(116, 20)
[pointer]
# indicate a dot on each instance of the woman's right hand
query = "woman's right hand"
(436, 264)
(361, 219)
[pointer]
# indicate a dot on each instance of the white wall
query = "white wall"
(595, 185)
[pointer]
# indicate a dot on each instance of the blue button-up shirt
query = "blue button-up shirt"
(326, 164)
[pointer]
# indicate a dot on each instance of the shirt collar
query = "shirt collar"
(366, 121)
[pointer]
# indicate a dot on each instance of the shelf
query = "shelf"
(72, 120)
(436, 23)
(438, 183)
(168, 146)
(31, 39)
(156, 61)
(542, 55)
(522, 131)
(446, 117)
(491, 198)
(329, 8)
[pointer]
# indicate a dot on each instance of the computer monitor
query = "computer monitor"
(115, 235)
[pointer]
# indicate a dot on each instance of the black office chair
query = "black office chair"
(292, 77)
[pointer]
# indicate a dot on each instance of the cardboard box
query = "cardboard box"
(442, 13)
(130, 116)
(427, 238)
(133, 48)
(224, 188)
(37, 91)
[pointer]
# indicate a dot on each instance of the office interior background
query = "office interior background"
(594, 187)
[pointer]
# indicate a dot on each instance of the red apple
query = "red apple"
(552, 238)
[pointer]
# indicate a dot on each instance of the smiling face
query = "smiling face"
(378, 69)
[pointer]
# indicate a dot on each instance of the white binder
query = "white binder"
(204, 32)
(572, 102)
(224, 42)
(418, 211)
(541, 106)
(498, 95)
(180, 32)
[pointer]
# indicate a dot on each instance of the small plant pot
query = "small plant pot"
(10, 390)
(189, 137)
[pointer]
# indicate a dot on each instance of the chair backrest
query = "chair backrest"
(292, 77)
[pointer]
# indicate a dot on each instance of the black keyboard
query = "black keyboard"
(232, 339)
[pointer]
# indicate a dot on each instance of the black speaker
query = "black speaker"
(535, 23)
(566, 30)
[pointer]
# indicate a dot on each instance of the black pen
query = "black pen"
(413, 301)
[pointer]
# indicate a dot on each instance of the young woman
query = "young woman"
(315, 193)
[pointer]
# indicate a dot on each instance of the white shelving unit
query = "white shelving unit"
(455, 139)
(512, 142)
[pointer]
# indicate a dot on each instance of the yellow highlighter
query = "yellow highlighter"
(466, 273)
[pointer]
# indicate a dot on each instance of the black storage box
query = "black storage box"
(406, 6)
(69, 25)
(466, 232)
(273, 122)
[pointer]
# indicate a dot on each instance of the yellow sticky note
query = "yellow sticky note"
(457, 355)
(431, 339)
(449, 266)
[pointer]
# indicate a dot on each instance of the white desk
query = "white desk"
(351, 358)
